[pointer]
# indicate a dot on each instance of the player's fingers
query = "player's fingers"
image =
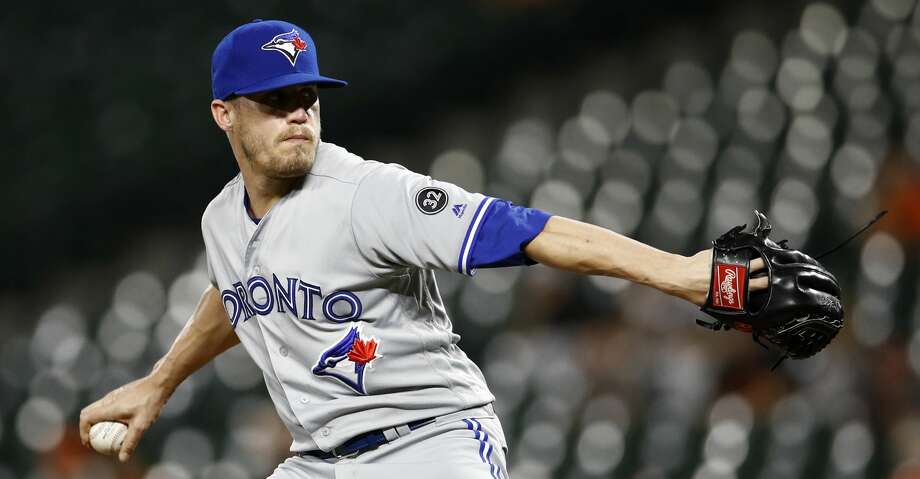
(757, 264)
(136, 429)
(87, 419)
(102, 410)
(88, 416)
(757, 284)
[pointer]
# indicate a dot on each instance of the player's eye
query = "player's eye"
(272, 100)
(288, 99)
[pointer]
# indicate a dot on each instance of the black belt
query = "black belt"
(368, 441)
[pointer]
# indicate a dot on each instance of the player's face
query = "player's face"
(278, 130)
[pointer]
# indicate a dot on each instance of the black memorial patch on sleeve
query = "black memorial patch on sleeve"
(431, 200)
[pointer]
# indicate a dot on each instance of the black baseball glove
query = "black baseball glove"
(800, 311)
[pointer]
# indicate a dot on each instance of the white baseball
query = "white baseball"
(106, 437)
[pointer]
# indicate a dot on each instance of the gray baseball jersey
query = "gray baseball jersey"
(332, 294)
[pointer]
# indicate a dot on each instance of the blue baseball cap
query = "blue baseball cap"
(263, 55)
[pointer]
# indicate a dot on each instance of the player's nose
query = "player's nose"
(299, 115)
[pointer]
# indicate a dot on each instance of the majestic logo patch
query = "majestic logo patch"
(348, 359)
(431, 200)
(728, 284)
(288, 44)
(459, 209)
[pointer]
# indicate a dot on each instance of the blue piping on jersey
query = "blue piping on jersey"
(471, 233)
(248, 207)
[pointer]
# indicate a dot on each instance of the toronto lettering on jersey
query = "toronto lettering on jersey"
(263, 296)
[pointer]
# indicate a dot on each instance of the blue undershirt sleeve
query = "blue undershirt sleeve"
(505, 230)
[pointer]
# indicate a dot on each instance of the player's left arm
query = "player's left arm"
(400, 218)
(588, 249)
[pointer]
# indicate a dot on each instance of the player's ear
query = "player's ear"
(223, 116)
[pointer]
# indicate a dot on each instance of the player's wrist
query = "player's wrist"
(687, 277)
(163, 379)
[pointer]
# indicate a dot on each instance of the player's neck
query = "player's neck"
(264, 192)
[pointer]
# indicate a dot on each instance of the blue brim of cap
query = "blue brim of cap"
(288, 80)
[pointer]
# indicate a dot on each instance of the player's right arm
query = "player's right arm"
(138, 404)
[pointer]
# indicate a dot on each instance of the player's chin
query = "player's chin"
(293, 167)
(297, 150)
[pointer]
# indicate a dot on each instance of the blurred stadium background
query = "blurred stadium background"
(666, 121)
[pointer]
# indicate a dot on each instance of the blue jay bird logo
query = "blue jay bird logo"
(352, 348)
(288, 44)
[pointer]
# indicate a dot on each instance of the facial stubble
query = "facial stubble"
(274, 158)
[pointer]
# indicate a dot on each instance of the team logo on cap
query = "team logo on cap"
(348, 359)
(288, 44)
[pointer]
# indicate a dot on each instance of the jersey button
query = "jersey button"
(305, 400)
(282, 350)
(325, 431)
(257, 269)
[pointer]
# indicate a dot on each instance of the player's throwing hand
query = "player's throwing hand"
(137, 404)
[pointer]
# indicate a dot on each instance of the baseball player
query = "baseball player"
(321, 264)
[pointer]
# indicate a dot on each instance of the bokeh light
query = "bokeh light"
(188, 447)
(853, 171)
(726, 444)
(753, 56)
(617, 206)
(654, 114)
(799, 83)
(600, 448)
(809, 142)
(558, 197)
(237, 370)
(852, 447)
(225, 470)
(459, 167)
(168, 470)
(823, 28)
(605, 117)
(794, 207)
(691, 85)
(761, 115)
(139, 298)
(882, 259)
(526, 152)
(40, 424)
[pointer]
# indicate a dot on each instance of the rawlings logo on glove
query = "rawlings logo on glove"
(800, 311)
(730, 279)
